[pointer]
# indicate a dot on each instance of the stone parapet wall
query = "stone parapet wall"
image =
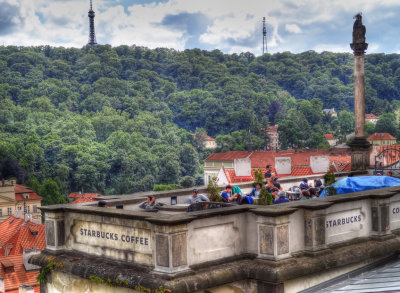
(177, 245)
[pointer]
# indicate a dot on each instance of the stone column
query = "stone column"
(360, 146)
(55, 230)
(171, 249)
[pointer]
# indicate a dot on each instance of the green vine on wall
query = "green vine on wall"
(47, 269)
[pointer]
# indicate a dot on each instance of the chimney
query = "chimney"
(25, 289)
(283, 165)
(27, 254)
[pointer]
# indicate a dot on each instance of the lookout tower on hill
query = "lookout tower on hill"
(92, 36)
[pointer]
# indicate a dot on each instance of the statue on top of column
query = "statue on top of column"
(358, 30)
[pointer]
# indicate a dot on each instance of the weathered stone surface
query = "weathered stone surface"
(60, 233)
(375, 219)
(179, 250)
(162, 250)
(308, 231)
(266, 236)
(50, 234)
(270, 288)
(385, 221)
(220, 273)
(320, 230)
(283, 239)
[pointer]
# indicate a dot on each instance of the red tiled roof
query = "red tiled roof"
(228, 156)
(18, 235)
(77, 195)
(209, 138)
(83, 200)
(381, 136)
(232, 178)
(20, 276)
(20, 190)
(301, 171)
(371, 116)
(260, 159)
(272, 128)
(329, 136)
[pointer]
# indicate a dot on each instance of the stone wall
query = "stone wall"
(187, 252)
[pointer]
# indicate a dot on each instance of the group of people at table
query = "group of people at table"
(233, 194)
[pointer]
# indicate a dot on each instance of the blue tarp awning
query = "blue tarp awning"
(354, 184)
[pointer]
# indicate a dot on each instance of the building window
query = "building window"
(27, 209)
(9, 211)
(35, 209)
(19, 208)
(1, 212)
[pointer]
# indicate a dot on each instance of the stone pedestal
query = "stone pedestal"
(360, 154)
(171, 249)
(55, 231)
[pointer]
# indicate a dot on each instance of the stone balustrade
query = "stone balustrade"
(268, 246)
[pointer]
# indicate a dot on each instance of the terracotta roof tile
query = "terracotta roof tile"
(329, 136)
(232, 178)
(20, 276)
(20, 236)
(381, 136)
(82, 200)
(371, 116)
(209, 138)
(20, 190)
(76, 195)
(228, 156)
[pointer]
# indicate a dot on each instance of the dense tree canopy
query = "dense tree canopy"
(119, 120)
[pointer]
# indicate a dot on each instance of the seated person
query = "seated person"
(227, 194)
(268, 172)
(102, 204)
(276, 183)
(150, 203)
(305, 194)
(314, 192)
(256, 191)
(274, 192)
(270, 186)
(304, 184)
(147, 204)
(196, 197)
(281, 198)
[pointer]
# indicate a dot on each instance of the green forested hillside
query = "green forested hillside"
(119, 120)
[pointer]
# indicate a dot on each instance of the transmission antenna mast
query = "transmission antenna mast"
(264, 49)
(92, 36)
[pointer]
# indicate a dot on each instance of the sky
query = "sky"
(231, 26)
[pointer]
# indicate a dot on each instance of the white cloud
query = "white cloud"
(234, 25)
(293, 28)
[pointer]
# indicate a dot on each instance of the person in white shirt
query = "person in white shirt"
(196, 197)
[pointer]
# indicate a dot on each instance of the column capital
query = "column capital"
(359, 48)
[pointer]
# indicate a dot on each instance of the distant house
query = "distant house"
(273, 135)
(330, 112)
(381, 139)
(371, 118)
(13, 199)
(78, 197)
(210, 143)
(331, 139)
(239, 166)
